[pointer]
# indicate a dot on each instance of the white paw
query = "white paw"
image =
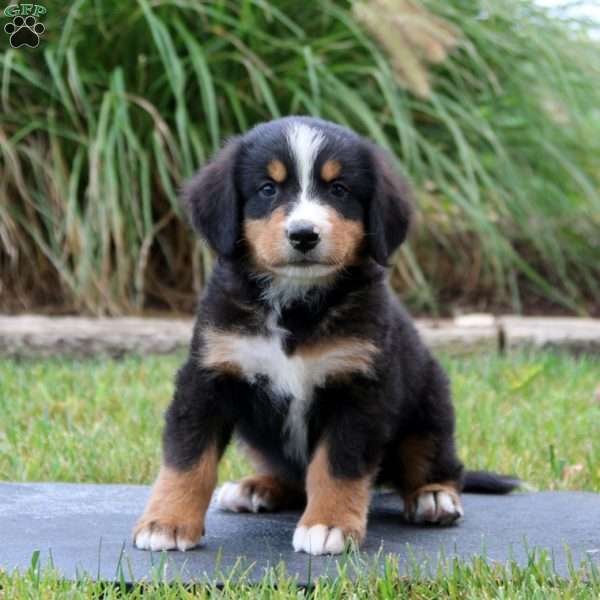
(156, 539)
(436, 507)
(237, 498)
(319, 539)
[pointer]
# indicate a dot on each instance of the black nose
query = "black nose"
(303, 235)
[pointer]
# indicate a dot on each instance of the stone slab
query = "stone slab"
(85, 529)
(466, 334)
(39, 336)
(575, 335)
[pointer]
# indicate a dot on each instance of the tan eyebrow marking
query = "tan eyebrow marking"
(276, 170)
(330, 170)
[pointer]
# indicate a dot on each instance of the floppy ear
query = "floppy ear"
(211, 201)
(389, 214)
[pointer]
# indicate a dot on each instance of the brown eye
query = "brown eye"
(338, 190)
(268, 190)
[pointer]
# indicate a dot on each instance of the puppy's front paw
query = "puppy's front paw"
(319, 539)
(156, 536)
(433, 506)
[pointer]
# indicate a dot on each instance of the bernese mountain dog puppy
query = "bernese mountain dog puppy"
(303, 352)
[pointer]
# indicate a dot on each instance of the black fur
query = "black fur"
(211, 200)
(484, 482)
(390, 211)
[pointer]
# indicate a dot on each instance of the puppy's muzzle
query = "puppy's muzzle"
(303, 235)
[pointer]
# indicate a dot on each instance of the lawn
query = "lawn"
(533, 414)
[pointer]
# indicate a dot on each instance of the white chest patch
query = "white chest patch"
(292, 377)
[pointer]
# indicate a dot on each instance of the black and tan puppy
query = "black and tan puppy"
(301, 349)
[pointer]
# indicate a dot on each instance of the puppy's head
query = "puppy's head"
(303, 197)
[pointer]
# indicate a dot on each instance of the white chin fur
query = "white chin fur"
(290, 283)
(308, 274)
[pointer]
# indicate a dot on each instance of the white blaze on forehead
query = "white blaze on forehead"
(305, 142)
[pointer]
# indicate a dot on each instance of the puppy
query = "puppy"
(301, 349)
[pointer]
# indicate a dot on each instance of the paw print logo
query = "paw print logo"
(24, 32)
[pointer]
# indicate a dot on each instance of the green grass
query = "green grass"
(533, 414)
(530, 414)
(492, 112)
(458, 580)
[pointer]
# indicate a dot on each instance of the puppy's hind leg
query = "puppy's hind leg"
(266, 490)
(428, 481)
(423, 464)
(259, 493)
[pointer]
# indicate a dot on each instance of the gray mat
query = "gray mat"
(86, 528)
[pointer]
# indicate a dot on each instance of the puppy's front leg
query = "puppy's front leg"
(196, 433)
(337, 508)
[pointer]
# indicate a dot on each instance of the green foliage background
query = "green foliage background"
(122, 101)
